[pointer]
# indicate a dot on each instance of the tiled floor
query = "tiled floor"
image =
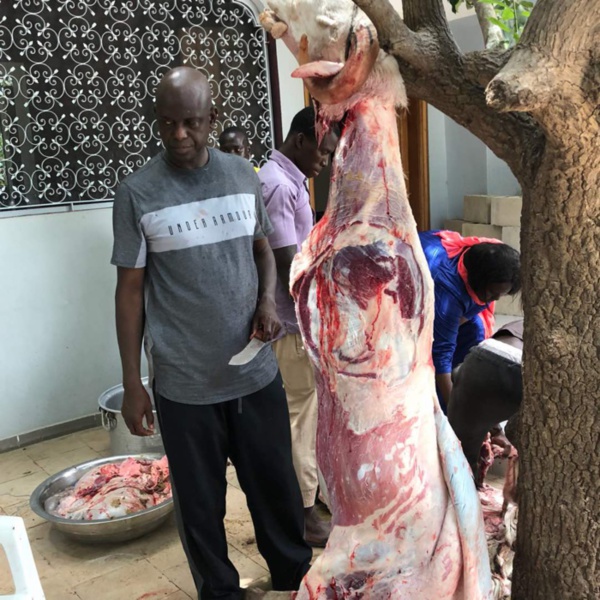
(149, 568)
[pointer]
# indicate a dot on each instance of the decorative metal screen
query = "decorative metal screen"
(77, 81)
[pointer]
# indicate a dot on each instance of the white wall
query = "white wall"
(57, 335)
(292, 90)
(500, 180)
(465, 165)
(438, 167)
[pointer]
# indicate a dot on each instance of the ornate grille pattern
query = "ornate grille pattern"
(77, 80)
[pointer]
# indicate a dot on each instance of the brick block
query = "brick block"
(510, 305)
(481, 230)
(477, 209)
(512, 237)
(506, 211)
(454, 225)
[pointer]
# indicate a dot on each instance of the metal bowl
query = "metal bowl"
(120, 529)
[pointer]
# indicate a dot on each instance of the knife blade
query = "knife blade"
(248, 353)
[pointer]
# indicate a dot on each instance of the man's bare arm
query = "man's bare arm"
(444, 385)
(266, 324)
(283, 260)
(129, 304)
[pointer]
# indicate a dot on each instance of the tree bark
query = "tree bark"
(558, 540)
(540, 113)
(553, 74)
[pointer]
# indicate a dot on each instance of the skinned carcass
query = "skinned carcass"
(407, 523)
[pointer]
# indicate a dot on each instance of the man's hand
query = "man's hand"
(265, 324)
(136, 406)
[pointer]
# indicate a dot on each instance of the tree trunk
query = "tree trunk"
(558, 540)
(554, 75)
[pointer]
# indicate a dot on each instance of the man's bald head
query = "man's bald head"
(185, 116)
(183, 81)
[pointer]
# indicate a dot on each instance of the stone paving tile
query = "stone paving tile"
(180, 576)
(18, 491)
(54, 447)
(239, 528)
(6, 581)
(63, 563)
(97, 439)
(21, 509)
(134, 582)
(180, 595)
(16, 465)
(55, 463)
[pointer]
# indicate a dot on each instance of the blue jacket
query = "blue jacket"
(451, 341)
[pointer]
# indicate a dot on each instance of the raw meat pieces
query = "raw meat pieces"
(114, 490)
(407, 522)
(501, 532)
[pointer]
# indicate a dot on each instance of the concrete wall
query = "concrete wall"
(292, 90)
(57, 340)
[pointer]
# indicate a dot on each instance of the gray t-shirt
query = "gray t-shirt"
(193, 231)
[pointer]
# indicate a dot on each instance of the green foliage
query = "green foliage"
(511, 15)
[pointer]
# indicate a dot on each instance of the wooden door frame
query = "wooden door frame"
(414, 149)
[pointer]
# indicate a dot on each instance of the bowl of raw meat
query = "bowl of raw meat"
(108, 499)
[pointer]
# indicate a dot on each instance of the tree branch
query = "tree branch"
(420, 14)
(525, 84)
(394, 35)
(483, 66)
(513, 137)
(434, 70)
(493, 36)
(428, 18)
(545, 73)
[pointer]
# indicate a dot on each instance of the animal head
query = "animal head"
(337, 49)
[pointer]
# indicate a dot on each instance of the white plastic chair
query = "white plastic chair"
(14, 540)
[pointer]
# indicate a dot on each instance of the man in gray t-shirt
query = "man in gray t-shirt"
(196, 277)
(194, 236)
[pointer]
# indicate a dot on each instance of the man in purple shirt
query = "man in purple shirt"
(287, 202)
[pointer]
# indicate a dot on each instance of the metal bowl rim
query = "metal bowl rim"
(35, 504)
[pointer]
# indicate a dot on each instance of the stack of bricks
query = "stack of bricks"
(496, 217)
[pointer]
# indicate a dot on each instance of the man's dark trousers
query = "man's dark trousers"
(254, 432)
